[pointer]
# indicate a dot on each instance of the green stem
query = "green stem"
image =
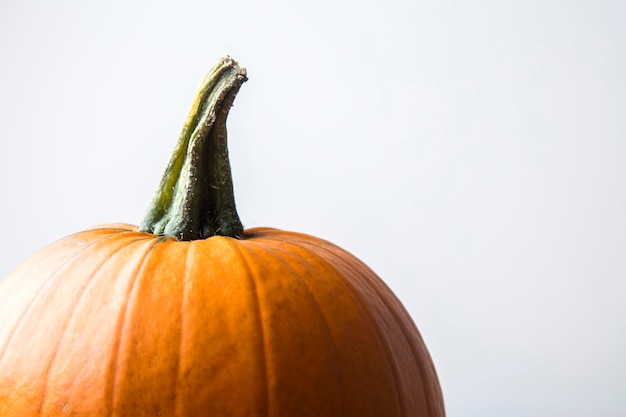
(195, 199)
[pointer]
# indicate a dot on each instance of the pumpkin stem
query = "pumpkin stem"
(195, 199)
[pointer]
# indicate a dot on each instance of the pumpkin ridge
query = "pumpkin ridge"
(425, 374)
(358, 300)
(318, 308)
(41, 289)
(183, 303)
(70, 319)
(117, 346)
(243, 255)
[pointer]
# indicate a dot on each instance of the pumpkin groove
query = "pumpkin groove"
(105, 334)
(142, 316)
(400, 319)
(331, 269)
(366, 279)
(255, 300)
(112, 373)
(8, 284)
(183, 304)
(281, 254)
(295, 283)
(73, 313)
(39, 290)
(32, 332)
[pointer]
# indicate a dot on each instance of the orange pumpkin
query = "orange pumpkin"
(192, 316)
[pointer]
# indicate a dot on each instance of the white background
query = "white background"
(472, 153)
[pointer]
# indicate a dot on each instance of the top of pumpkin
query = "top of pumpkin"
(195, 199)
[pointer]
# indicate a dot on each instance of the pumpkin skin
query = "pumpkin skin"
(116, 322)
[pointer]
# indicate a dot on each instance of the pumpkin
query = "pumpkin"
(190, 315)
